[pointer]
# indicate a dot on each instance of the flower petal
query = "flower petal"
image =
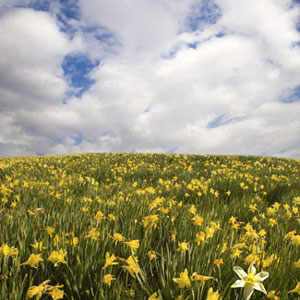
(260, 287)
(248, 291)
(262, 276)
(251, 269)
(238, 283)
(241, 273)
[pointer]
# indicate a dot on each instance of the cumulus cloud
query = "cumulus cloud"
(173, 76)
(31, 79)
(142, 27)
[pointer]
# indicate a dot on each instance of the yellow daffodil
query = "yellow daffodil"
(183, 280)
(38, 246)
(202, 278)
(109, 260)
(56, 293)
(37, 290)
(130, 293)
(193, 210)
(118, 237)
(209, 232)
(99, 215)
(31, 213)
(236, 253)
(184, 246)
(164, 210)
(93, 234)
(173, 236)
(154, 296)
(57, 257)
(108, 278)
(150, 221)
(224, 248)
(239, 246)
(295, 210)
(134, 245)
(133, 267)
(252, 259)
(296, 289)
(74, 241)
(211, 295)
(33, 260)
(232, 220)
(272, 222)
(250, 281)
(273, 295)
(218, 262)
(290, 235)
(200, 238)
(50, 230)
(111, 217)
(297, 263)
(197, 220)
(262, 233)
(152, 254)
(296, 240)
(267, 262)
(5, 250)
(56, 240)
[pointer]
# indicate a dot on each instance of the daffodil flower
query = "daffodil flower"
(133, 267)
(109, 260)
(5, 250)
(184, 280)
(296, 289)
(211, 295)
(134, 245)
(56, 293)
(33, 260)
(154, 296)
(250, 281)
(107, 279)
(57, 257)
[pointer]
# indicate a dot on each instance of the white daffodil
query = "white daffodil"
(250, 281)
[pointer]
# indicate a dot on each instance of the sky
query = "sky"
(158, 76)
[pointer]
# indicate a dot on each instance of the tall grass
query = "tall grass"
(205, 214)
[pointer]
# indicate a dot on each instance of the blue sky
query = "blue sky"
(292, 95)
(196, 76)
(76, 69)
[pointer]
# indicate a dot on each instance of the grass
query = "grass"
(205, 214)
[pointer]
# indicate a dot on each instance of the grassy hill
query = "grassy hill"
(148, 226)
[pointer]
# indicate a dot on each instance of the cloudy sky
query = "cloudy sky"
(168, 76)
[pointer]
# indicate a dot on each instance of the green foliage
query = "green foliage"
(87, 198)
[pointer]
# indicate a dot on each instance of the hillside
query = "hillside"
(148, 226)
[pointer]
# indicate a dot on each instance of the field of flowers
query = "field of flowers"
(149, 226)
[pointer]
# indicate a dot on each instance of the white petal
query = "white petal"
(241, 273)
(260, 287)
(248, 291)
(251, 269)
(262, 276)
(238, 283)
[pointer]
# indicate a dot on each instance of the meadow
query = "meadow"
(149, 226)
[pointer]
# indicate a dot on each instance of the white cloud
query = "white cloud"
(31, 52)
(30, 56)
(142, 101)
(144, 28)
